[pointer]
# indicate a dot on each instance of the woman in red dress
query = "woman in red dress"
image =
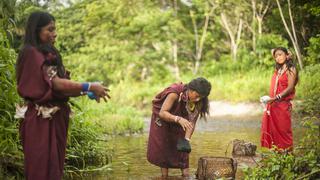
(44, 84)
(276, 123)
(175, 111)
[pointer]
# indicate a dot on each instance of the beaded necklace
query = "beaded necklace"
(279, 73)
(192, 109)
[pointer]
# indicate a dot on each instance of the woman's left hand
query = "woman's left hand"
(100, 91)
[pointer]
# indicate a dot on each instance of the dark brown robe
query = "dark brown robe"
(163, 136)
(43, 139)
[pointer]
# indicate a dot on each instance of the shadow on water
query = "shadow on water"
(211, 138)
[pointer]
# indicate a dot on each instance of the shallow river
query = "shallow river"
(211, 138)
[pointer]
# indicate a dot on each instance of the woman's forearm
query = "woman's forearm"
(286, 92)
(72, 94)
(66, 86)
(166, 106)
(167, 116)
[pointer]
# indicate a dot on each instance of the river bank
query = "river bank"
(222, 109)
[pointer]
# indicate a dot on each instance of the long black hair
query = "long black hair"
(203, 87)
(289, 61)
(36, 21)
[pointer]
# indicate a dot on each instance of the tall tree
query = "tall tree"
(259, 10)
(199, 44)
(234, 33)
(174, 43)
(292, 32)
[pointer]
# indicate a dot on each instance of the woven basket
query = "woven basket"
(243, 148)
(216, 167)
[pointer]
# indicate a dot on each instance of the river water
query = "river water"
(211, 138)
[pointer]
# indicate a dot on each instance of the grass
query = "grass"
(240, 86)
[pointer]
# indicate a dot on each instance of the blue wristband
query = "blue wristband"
(91, 95)
(85, 87)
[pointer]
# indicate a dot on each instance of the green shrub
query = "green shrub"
(313, 51)
(86, 148)
(303, 163)
(11, 162)
(308, 90)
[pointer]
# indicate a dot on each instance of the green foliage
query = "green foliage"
(275, 166)
(128, 45)
(86, 148)
(10, 149)
(313, 51)
(264, 45)
(114, 119)
(313, 7)
(237, 81)
(89, 129)
(108, 44)
(304, 163)
(13, 15)
(308, 91)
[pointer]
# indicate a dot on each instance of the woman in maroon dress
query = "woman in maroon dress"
(174, 114)
(276, 123)
(44, 85)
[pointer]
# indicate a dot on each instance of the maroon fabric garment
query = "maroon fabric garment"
(163, 136)
(43, 140)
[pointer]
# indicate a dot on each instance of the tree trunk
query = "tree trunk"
(175, 46)
(253, 25)
(233, 42)
(293, 39)
(259, 27)
(175, 59)
(299, 57)
(199, 45)
(163, 3)
(144, 73)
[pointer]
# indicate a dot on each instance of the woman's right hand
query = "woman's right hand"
(271, 100)
(100, 91)
(185, 124)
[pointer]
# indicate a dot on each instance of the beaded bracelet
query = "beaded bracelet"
(85, 87)
(91, 95)
(278, 96)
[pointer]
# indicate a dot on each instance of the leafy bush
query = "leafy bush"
(10, 148)
(313, 51)
(86, 148)
(308, 91)
(303, 163)
(264, 46)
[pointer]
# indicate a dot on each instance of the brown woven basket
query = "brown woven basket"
(243, 148)
(216, 167)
